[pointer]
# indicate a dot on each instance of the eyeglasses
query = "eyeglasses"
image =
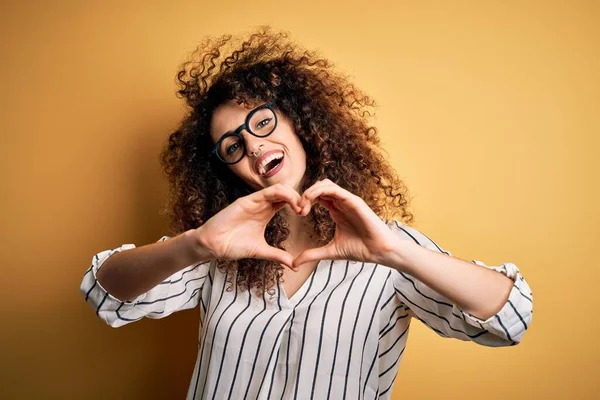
(260, 122)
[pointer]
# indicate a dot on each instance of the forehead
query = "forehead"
(227, 117)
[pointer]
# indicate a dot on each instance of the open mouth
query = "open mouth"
(272, 167)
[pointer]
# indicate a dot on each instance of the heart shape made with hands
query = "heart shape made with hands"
(360, 234)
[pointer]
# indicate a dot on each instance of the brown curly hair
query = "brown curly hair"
(328, 113)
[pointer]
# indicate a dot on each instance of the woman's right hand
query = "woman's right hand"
(238, 231)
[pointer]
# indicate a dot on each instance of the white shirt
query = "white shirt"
(340, 336)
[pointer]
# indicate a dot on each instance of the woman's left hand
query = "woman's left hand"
(360, 235)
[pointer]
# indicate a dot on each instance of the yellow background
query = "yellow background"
(489, 110)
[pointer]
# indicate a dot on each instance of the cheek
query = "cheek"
(242, 170)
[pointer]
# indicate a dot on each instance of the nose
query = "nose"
(253, 144)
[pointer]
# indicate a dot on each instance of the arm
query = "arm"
(127, 283)
(456, 298)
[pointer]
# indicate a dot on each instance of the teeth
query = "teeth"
(261, 167)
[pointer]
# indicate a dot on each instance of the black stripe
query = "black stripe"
(395, 341)
(272, 374)
(197, 378)
(393, 380)
(210, 279)
(362, 359)
(441, 317)
(389, 387)
(381, 336)
(123, 318)
(194, 293)
(401, 306)
(287, 358)
(393, 364)
(304, 332)
(181, 277)
(278, 294)
(212, 342)
(237, 364)
(172, 296)
(390, 319)
(202, 303)
(201, 324)
(337, 340)
(371, 368)
(366, 289)
(387, 301)
(270, 355)
(88, 292)
(275, 343)
(503, 327)
(423, 294)
(517, 312)
(227, 340)
(432, 328)
(100, 305)
(458, 316)
(413, 238)
(522, 294)
(259, 347)
(323, 326)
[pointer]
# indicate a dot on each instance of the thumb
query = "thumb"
(320, 253)
(274, 254)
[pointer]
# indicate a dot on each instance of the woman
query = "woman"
(278, 187)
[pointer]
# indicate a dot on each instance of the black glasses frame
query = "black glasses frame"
(237, 132)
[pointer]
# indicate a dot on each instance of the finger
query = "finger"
(274, 254)
(306, 203)
(320, 253)
(278, 205)
(280, 192)
(329, 191)
(327, 203)
(294, 196)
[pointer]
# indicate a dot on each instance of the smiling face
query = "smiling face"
(230, 115)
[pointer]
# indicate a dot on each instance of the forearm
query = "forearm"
(479, 291)
(127, 274)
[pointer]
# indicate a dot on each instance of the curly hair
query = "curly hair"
(329, 115)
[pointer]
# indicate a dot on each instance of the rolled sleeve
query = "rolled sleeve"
(515, 316)
(505, 328)
(179, 291)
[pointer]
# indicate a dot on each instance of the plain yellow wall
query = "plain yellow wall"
(489, 112)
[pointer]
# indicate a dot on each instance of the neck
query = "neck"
(300, 232)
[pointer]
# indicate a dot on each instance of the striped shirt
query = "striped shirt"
(340, 336)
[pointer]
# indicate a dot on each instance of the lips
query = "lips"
(261, 158)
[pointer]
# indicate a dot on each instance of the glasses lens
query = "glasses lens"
(262, 122)
(231, 149)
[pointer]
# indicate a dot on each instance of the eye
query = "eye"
(229, 151)
(263, 123)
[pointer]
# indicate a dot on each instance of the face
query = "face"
(229, 115)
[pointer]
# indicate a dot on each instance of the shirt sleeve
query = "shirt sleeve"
(180, 291)
(506, 328)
